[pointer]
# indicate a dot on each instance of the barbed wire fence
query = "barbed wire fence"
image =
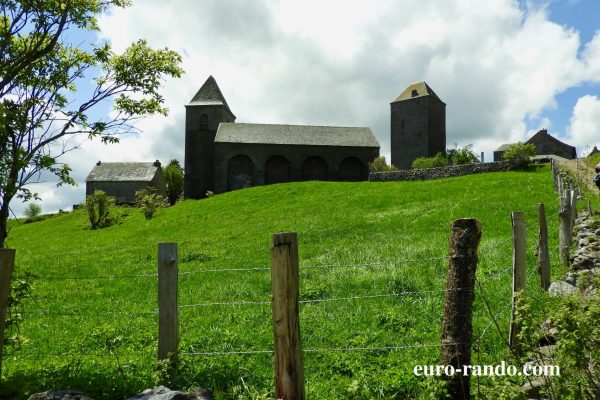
(41, 311)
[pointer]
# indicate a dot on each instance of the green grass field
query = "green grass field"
(100, 335)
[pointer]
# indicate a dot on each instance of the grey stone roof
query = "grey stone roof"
(295, 135)
(417, 89)
(504, 147)
(123, 172)
(538, 136)
(209, 95)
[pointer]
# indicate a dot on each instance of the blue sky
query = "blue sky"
(505, 68)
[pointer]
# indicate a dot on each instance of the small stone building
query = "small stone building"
(221, 155)
(123, 179)
(545, 144)
(418, 125)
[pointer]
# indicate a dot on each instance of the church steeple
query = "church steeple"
(203, 114)
(209, 95)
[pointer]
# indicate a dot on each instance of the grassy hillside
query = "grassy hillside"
(100, 335)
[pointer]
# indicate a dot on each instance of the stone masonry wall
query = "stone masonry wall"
(437, 173)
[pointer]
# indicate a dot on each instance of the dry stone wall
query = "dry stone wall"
(438, 173)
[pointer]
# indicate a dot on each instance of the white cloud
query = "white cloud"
(498, 66)
(584, 126)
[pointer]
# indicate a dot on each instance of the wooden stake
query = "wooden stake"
(289, 369)
(564, 232)
(168, 319)
(519, 259)
(7, 262)
(458, 306)
(543, 253)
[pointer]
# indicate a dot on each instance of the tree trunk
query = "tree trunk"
(3, 223)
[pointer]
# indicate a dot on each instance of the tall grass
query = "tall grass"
(100, 335)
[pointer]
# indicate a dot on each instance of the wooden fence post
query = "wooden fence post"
(543, 254)
(289, 369)
(168, 319)
(564, 232)
(573, 197)
(7, 261)
(519, 260)
(457, 329)
(590, 213)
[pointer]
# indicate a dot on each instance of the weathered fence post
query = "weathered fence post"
(168, 319)
(519, 260)
(289, 369)
(574, 195)
(543, 254)
(7, 261)
(564, 230)
(458, 305)
(590, 213)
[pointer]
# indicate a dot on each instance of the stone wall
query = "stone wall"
(437, 173)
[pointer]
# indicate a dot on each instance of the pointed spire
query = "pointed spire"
(209, 95)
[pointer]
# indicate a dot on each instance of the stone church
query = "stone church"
(221, 155)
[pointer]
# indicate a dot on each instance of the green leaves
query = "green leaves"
(41, 106)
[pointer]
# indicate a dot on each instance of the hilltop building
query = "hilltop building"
(221, 155)
(545, 144)
(123, 179)
(418, 125)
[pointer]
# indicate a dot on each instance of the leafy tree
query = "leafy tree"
(39, 72)
(98, 206)
(32, 210)
(461, 155)
(149, 200)
(379, 164)
(519, 155)
(439, 160)
(174, 180)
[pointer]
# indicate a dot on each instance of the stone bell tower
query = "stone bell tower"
(203, 114)
(418, 125)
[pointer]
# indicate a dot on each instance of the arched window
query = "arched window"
(314, 169)
(352, 169)
(240, 172)
(277, 170)
(204, 122)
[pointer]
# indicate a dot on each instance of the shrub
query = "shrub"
(33, 210)
(379, 164)
(174, 181)
(461, 155)
(149, 200)
(439, 160)
(519, 155)
(98, 207)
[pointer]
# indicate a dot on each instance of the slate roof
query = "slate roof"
(209, 95)
(421, 89)
(539, 135)
(504, 147)
(296, 135)
(123, 172)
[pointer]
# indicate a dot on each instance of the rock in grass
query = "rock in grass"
(562, 288)
(160, 393)
(60, 395)
(163, 393)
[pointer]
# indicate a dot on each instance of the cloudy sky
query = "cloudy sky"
(505, 69)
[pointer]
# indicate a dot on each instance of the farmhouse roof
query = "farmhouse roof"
(540, 135)
(296, 135)
(123, 172)
(417, 89)
(504, 147)
(209, 95)
(543, 134)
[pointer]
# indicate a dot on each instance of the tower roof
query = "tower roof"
(209, 95)
(418, 89)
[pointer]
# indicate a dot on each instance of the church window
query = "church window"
(414, 93)
(204, 122)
